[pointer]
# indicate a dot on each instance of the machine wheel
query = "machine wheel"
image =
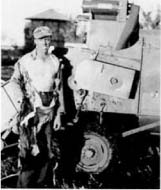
(96, 153)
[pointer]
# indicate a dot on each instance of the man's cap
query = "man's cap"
(41, 32)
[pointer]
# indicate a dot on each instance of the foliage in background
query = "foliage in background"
(149, 23)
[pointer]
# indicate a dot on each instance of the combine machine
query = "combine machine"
(115, 81)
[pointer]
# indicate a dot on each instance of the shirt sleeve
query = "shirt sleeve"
(16, 82)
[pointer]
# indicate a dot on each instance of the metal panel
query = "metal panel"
(103, 93)
(104, 78)
(107, 6)
(93, 5)
(129, 58)
(98, 102)
(150, 82)
(104, 33)
(78, 54)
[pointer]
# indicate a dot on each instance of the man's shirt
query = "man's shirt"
(34, 75)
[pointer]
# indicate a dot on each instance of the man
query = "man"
(36, 80)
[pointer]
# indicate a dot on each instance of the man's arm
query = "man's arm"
(59, 89)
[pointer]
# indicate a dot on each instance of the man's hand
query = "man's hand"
(27, 118)
(57, 122)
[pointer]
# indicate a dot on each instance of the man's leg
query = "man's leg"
(42, 175)
(26, 179)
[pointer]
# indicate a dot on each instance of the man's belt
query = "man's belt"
(47, 97)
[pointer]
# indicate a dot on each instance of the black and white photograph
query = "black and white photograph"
(80, 94)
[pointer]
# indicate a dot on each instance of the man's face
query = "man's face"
(43, 44)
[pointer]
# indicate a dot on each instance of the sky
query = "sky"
(14, 12)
